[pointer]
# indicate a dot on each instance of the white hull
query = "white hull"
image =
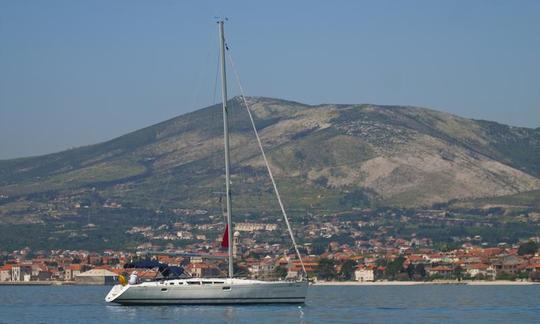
(210, 291)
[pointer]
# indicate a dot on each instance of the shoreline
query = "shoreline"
(423, 283)
(37, 283)
(322, 283)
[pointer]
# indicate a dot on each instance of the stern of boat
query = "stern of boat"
(115, 292)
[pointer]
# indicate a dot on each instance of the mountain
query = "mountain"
(326, 157)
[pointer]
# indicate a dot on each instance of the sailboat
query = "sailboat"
(228, 290)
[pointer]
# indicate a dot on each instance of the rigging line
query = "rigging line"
(194, 99)
(202, 71)
(165, 190)
(242, 94)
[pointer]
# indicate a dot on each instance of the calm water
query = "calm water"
(354, 304)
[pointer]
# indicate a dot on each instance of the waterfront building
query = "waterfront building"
(481, 270)
(96, 277)
(5, 273)
(15, 273)
(72, 271)
(364, 274)
(251, 227)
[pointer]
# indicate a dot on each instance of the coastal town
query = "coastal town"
(392, 259)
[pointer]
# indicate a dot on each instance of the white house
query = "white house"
(16, 273)
(482, 269)
(5, 273)
(364, 274)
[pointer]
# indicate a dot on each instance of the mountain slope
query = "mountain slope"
(327, 157)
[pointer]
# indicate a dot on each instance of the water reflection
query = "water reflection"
(354, 304)
(173, 313)
(229, 313)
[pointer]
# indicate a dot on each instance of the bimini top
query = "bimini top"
(164, 270)
(145, 264)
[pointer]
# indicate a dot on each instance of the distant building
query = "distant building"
(15, 273)
(236, 244)
(251, 227)
(263, 268)
(509, 264)
(202, 270)
(293, 272)
(364, 274)
(294, 267)
(440, 270)
(96, 277)
(112, 204)
(5, 273)
(481, 270)
(74, 270)
(44, 275)
(183, 235)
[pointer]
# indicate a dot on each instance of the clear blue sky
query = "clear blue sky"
(79, 72)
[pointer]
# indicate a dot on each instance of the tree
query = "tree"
(506, 276)
(280, 271)
(326, 269)
(347, 269)
(535, 276)
(394, 267)
(358, 198)
(318, 247)
(321, 181)
(420, 270)
(458, 272)
(523, 275)
(239, 269)
(528, 248)
(411, 271)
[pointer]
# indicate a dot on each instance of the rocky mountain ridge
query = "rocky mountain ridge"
(326, 157)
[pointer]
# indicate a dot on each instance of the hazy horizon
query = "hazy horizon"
(75, 73)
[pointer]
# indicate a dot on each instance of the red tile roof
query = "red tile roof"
(6, 267)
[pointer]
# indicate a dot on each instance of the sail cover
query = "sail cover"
(225, 240)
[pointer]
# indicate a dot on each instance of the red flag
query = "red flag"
(225, 240)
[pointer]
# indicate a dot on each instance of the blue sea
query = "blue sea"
(326, 304)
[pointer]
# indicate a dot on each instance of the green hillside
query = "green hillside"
(327, 159)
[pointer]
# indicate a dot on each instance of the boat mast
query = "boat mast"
(226, 136)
